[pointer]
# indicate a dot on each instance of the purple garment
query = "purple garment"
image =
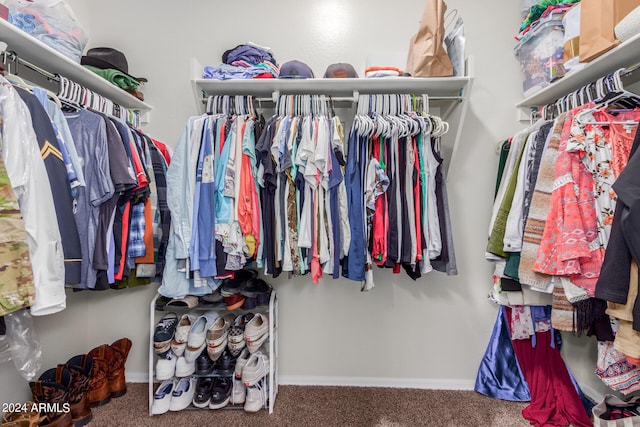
(249, 53)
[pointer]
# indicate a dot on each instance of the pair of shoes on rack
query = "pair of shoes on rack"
(181, 333)
(64, 391)
(257, 293)
(253, 397)
(171, 365)
(256, 332)
(248, 382)
(231, 289)
(217, 335)
(164, 333)
(236, 341)
(173, 395)
(224, 365)
(213, 392)
(197, 337)
(254, 368)
(108, 375)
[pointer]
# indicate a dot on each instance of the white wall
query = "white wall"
(430, 332)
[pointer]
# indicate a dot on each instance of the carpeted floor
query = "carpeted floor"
(328, 406)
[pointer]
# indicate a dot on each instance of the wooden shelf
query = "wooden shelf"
(38, 53)
(624, 55)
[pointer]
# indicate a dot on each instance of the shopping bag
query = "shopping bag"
(615, 412)
(427, 56)
(598, 19)
(52, 22)
(454, 40)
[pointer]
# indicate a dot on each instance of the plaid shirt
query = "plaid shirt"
(136, 231)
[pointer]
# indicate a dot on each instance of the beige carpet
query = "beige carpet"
(328, 406)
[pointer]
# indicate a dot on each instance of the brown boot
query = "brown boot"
(27, 415)
(99, 392)
(80, 367)
(52, 390)
(117, 380)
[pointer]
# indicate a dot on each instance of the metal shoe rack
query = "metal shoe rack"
(270, 381)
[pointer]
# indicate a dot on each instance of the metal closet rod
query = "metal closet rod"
(271, 99)
(12, 56)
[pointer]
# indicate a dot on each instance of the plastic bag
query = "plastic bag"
(52, 22)
(26, 351)
(454, 40)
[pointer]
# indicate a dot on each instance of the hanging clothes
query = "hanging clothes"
(572, 215)
(30, 183)
(56, 169)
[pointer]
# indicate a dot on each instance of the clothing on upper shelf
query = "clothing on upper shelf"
(94, 175)
(284, 194)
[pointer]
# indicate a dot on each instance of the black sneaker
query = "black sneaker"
(202, 396)
(204, 365)
(226, 364)
(220, 392)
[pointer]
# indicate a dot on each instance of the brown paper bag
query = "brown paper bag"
(427, 56)
(597, 21)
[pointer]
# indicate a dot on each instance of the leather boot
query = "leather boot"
(27, 415)
(117, 380)
(80, 367)
(99, 392)
(52, 391)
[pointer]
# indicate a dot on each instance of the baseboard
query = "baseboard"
(433, 384)
(137, 377)
(444, 384)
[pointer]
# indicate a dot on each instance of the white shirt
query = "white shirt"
(31, 186)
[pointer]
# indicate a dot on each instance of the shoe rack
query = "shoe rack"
(270, 382)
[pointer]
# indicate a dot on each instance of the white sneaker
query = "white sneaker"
(178, 348)
(162, 397)
(256, 327)
(184, 368)
(182, 394)
(166, 366)
(217, 336)
(181, 335)
(184, 326)
(255, 345)
(256, 398)
(255, 369)
(241, 361)
(198, 334)
(239, 393)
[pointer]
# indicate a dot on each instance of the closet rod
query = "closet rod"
(12, 56)
(349, 98)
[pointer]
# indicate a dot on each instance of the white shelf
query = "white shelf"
(442, 91)
(434, 86)
(38, 53)
(624, 55)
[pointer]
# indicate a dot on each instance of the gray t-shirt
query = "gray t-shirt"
(89, 133)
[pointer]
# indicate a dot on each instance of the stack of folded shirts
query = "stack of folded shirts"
(382, 72)
(245, 61)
